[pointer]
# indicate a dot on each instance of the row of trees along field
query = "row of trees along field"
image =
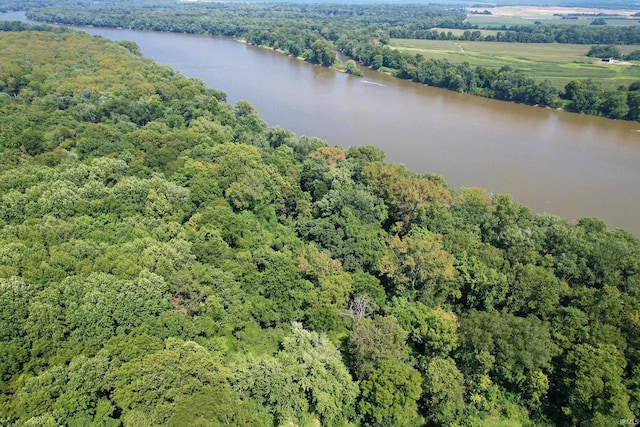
(169, 259)
(315, 31)
(541, 33)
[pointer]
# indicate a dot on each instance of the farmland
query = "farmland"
(526, 15)
(559, 63)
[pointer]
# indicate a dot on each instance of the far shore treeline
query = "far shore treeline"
(363, 32)
(169, 259)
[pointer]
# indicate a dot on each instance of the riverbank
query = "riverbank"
(569, 165)
(338, 66)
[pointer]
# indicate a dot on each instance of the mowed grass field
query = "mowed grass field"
(559, 63)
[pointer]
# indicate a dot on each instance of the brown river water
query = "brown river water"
(562, 163)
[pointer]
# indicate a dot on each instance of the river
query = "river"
(562, 163)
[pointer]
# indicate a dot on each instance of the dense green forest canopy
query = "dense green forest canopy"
(362, 31)
(168, 258)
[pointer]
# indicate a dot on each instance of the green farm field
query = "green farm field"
(559, 63)
(497, 22)
(528, 15)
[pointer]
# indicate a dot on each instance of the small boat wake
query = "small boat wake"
(373, 83)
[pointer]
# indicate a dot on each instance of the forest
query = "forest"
(315, 32)
(167, 258)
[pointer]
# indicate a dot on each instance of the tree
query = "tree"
(328, 301)
(604, 51)
(534, 290)
(217, 407)
(281, 286)
(389, 395)
(484, 287)
(443, 390)
(359, 308)
(546, 94)
(614, 105)
(585, 96)
(365, 154)
(149, 386)
(633, 101)
(276, 136)
(306, 375)
(92, 309)
(367, 207)
(417, 263)
(245, 180)
(404, 193)
(512, 350)
(250, 126)
(15, 295)
(307, 145)
(377, 62)
(352, 68)
(365, 284)
(359, 246)
(73, 394)
(433, 332)
(131, 47)
(331, 154)
(591, 389)
(374, 341)
(471, 205)
(322, 52)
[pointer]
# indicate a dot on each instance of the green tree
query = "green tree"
(614, 105)
(592, 391)
(605, 51)
(93, 309)
(404, 193)
(148, 386)
(534, 290)
(484, 287)
(378, 60)
(374, 341)
(307, 375)
(512, 350)
(73, 394)
(357, 245)
(217, 407)
(282, 289)
(15, 296)
(443, 391)
(389, 395)
(322, 52)
(585, 96)
(633, 101)
(328, 301)
(352, 68)
(433, 332)
(417, 263)
(240, 173)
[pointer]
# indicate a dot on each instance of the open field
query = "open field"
(524, 15)
(560, 63)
